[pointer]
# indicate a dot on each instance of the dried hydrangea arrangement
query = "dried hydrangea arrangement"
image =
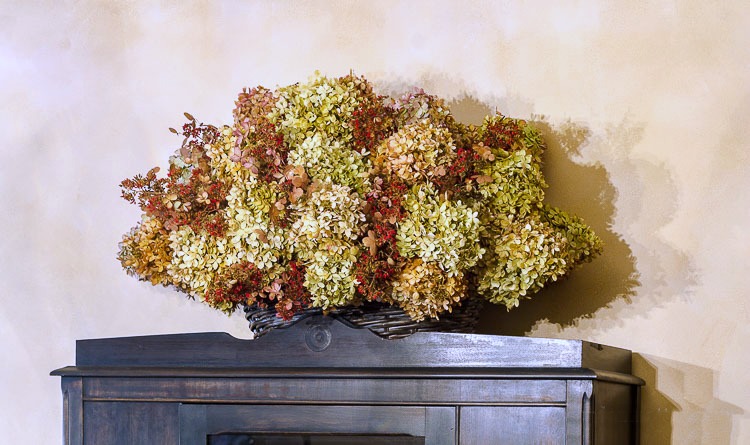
(324, 194)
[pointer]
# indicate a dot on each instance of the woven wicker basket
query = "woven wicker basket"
(386, 321)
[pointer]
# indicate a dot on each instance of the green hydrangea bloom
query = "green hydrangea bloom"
(326, 238)
(322, 105)
(516, 186)
(329, 161)
(583, 244)
(439, 230)
(331, 212)
(329, 276)
(314, 118)
(196, 258)
(250, 230)
(524, 253)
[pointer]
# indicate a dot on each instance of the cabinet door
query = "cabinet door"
(433, 425)
(512, 425)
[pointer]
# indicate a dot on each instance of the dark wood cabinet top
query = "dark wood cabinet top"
(323, 346)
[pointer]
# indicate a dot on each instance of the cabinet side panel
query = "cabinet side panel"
(115, 423)
(615, 419)
(512, 425)
(72, 389)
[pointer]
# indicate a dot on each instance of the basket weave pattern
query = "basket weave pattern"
(386, 321)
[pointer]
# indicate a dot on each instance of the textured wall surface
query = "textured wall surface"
(645, 107)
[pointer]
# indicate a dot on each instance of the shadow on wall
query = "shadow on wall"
(573, 187)
(678, 404)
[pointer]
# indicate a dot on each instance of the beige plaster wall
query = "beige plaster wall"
(645, 106)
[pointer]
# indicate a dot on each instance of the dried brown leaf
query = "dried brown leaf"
(296, 194)
(371, 241)
(261, 235)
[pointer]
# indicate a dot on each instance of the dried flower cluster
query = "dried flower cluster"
(325, 194)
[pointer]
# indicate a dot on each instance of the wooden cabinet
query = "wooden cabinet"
(321, 382)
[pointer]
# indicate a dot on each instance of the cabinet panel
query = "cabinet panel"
(512, 425)
(313, 439)
(121, 423)
(438, 391)
(437, 425)
(615, 413)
